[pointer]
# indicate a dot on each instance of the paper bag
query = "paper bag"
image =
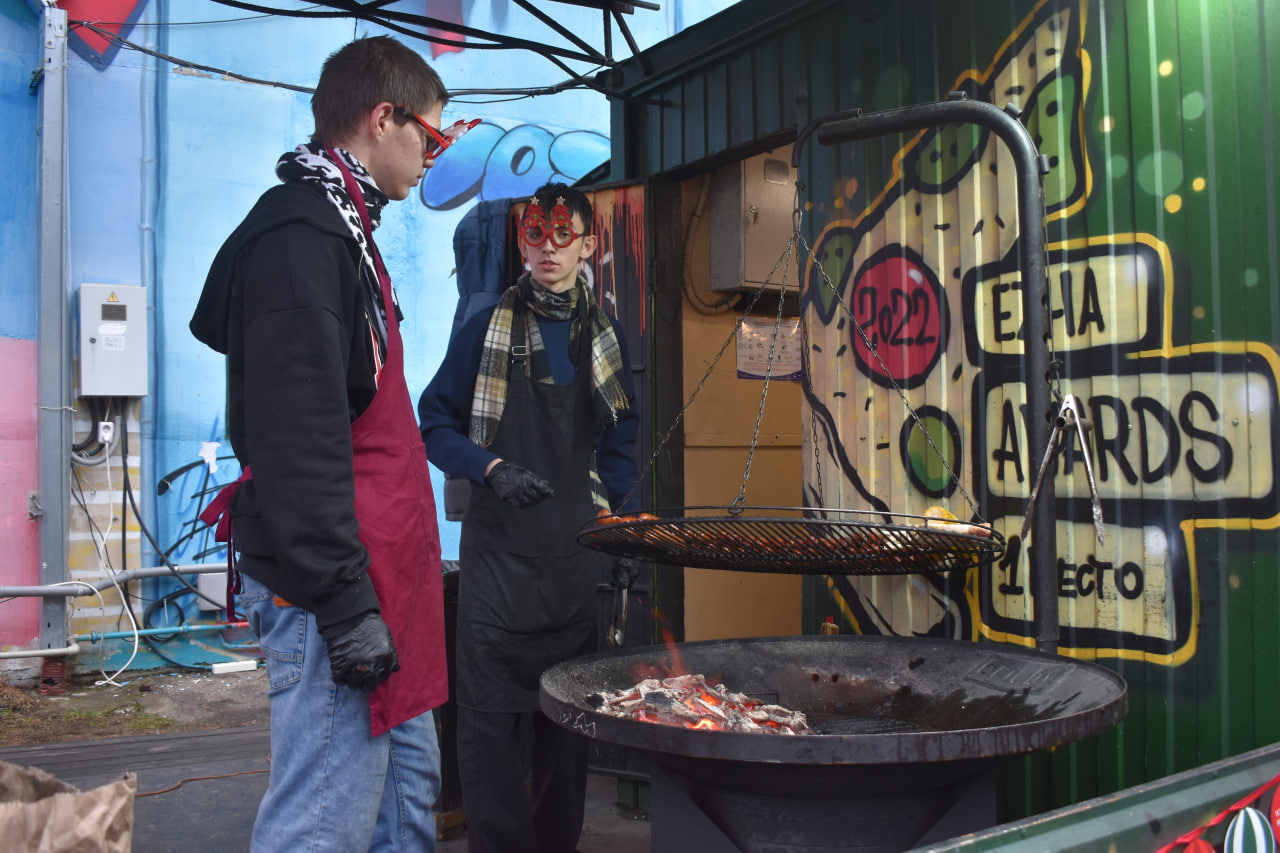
(41, 814)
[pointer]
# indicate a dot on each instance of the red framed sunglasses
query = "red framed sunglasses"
(439, 140)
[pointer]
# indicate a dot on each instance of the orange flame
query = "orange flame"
(672, 666)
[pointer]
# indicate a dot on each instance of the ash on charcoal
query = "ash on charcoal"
(689, 701)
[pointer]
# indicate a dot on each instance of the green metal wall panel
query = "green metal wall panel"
(1158, 118)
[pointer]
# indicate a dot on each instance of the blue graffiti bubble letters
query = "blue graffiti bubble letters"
(490, 163)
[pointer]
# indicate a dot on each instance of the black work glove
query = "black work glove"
(518, 486)
(364, 656)
(626, 570)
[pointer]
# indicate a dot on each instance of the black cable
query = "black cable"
(166, 482)
(555, 25)
(107, 34)
(575, 82)
(92, 437)
(385, 19)
(393, 20)
(124, 467)
(170, 24)
(152, 639)
(142, 526)
(198, 527)
(77, 494)
(164, 600)
(95, 533)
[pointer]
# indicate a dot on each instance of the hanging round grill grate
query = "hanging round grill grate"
(856, 543)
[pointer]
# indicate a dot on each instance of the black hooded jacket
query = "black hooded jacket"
(285, 303)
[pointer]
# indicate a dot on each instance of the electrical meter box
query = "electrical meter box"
(751, 222)
(113, 340)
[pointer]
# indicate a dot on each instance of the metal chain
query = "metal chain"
(797, 218)
(866, 341)
(662, 443)
(797, 239)
(813, 415)
(785, 262)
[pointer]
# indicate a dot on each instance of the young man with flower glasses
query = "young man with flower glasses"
(334, 519)
(529, 395)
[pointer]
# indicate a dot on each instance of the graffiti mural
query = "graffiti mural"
(182, 150)
(491, 163)
(917, 392)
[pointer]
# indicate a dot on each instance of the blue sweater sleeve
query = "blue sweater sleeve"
(444, 409)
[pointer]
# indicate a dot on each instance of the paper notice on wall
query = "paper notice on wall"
(761, 340)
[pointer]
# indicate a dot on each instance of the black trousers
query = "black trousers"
(518, 797)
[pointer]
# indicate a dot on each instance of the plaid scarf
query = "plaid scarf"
(310, 163)
(607, 394)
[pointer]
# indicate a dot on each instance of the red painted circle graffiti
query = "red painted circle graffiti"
(899, 304)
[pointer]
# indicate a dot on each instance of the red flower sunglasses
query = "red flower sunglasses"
(440, 139)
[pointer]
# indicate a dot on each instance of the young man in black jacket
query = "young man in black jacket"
(334, 518)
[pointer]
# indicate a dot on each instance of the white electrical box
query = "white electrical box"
(113, 340)
(213, 585)
(752, 202)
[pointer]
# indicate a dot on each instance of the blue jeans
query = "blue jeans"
(333, 786)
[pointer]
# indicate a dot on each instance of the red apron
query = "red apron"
(397, 513)
(396, 508)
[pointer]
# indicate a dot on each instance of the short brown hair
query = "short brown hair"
(364, 73)
(576, 200)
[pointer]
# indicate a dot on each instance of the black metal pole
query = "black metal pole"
(1030, 168)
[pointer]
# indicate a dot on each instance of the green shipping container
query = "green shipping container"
(1157, 121)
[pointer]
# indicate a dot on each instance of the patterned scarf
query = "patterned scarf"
(310, 163)
(607, 394)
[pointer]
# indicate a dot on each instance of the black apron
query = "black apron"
(527, 589)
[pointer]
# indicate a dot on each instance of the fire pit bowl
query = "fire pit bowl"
(903, 729)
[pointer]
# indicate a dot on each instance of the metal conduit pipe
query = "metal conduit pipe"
(1030, 168)
(73, 589)
(54, 343)
(95, 636)
(77, 588)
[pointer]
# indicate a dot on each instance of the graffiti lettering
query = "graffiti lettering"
(1180, 438)
(1075, 319)
(900, 306)
(1076, 581)
(1130, 275)
(1091, 579)
(491, 162)
(1000, 315)
(1123, 588)
(1007, 449)
(1111, 439)
(1009, 564)
(1090, 303)
(890, 323)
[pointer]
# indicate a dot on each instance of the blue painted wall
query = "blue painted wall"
(19, 57)
(19, 545)
(163, 162)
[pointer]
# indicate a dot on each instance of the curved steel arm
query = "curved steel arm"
(1030, 167)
